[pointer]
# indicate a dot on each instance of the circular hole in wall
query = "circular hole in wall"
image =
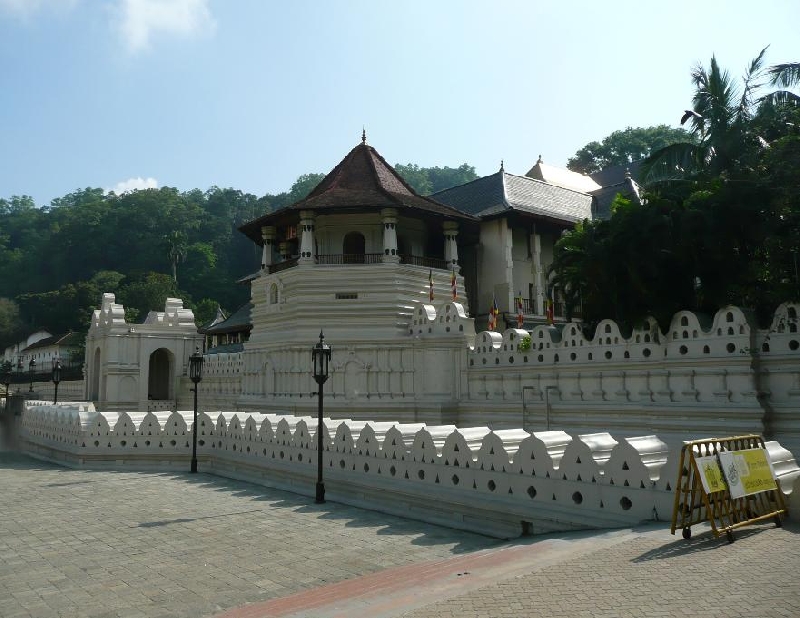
(421, 475)
(366, 467)
(532, 491)
(731, 348)
(625, 503)
(573, 356)
(683, 349)
(793, 345)
(393, 470)
(341, 464)
(577, 497)
(608, 354)
(491, 485)
(455, 479)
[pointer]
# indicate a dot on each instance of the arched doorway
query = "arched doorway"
(353, 248)
(159, 376)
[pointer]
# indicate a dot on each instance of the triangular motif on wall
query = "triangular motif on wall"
(455, 448)
(554, 496)
(579, 478)
(601, 504)
(626, 483)
(625, 465)
(578, 460)
(642, 484)
(474, 486)
(511, 491)
(437, 479)
(491, 451)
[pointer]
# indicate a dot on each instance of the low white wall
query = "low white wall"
(501, 483)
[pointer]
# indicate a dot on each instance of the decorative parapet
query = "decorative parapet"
(496, 482)
(446, 319)
(109, 314)
(727, 336)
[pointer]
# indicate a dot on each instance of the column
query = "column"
(285, 250)
(268, 234)
(538, 275)
(306, 237)
(389, 216)
(450, 246)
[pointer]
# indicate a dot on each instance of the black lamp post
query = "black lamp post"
(20, 367)
(7, 380)
(31, 371)
(320, 357)
(56, 378)
(196, 374)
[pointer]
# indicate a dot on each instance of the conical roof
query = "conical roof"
(363, 180)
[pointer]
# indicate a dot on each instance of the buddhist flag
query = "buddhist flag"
(493, 313)
(430, 285)
(520, 313)
(453, 285)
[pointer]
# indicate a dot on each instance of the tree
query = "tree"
(176, 250)
(621, 147)
(11, 325)
(723, 118)
(428, 180)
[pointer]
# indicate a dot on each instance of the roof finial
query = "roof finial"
(539, 162)
(363, 135)
(627, 172)
(502, 169)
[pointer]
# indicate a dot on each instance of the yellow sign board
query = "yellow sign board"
(710, 474)
(747, 472)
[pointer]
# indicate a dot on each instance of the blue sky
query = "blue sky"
(251, 94)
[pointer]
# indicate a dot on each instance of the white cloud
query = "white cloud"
(132, 184)
(139, 20)
(26, 8)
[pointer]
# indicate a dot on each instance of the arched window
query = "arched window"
(353, 248)
(273, 294)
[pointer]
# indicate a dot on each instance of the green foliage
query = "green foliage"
(720, 224)
(621, 147)
(11, 325)
(428, 180)
(524, 343)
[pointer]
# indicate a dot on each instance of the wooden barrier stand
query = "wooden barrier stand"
(728, 482)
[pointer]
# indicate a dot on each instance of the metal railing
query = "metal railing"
(345, 259)
(349, 258)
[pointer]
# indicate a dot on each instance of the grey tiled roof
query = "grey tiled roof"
(502, 191)
(239, 320)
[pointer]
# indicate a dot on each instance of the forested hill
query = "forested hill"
(57, 260)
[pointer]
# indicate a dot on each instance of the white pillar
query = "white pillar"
(306, 238)
(450, 246)
(389, 216)
(538, 274)
(268, 234)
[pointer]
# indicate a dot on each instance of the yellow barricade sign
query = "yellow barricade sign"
(748, 472)
(711, 474)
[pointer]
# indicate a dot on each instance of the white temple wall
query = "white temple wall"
(503, 482)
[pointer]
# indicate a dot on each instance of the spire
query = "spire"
(502, 169)
(539, 161)
(363, 135)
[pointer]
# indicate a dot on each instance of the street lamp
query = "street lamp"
(196, 374)
(31, 371)
(320, 357)
(7, 380)
(56, 377)
(20, 367)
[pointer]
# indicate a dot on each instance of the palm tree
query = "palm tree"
(722, 118)
(176, 250)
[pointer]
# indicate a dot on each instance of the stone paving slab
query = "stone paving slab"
(124, 544)
(98, 544)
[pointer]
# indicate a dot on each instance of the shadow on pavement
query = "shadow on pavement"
(706, 541)
(428, 534)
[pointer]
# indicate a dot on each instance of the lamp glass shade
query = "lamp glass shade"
(321, 356)
(56, 371)
(196, 366)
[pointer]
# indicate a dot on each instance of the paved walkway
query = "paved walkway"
(124, 544)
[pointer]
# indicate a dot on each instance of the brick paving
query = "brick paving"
(125, 544)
